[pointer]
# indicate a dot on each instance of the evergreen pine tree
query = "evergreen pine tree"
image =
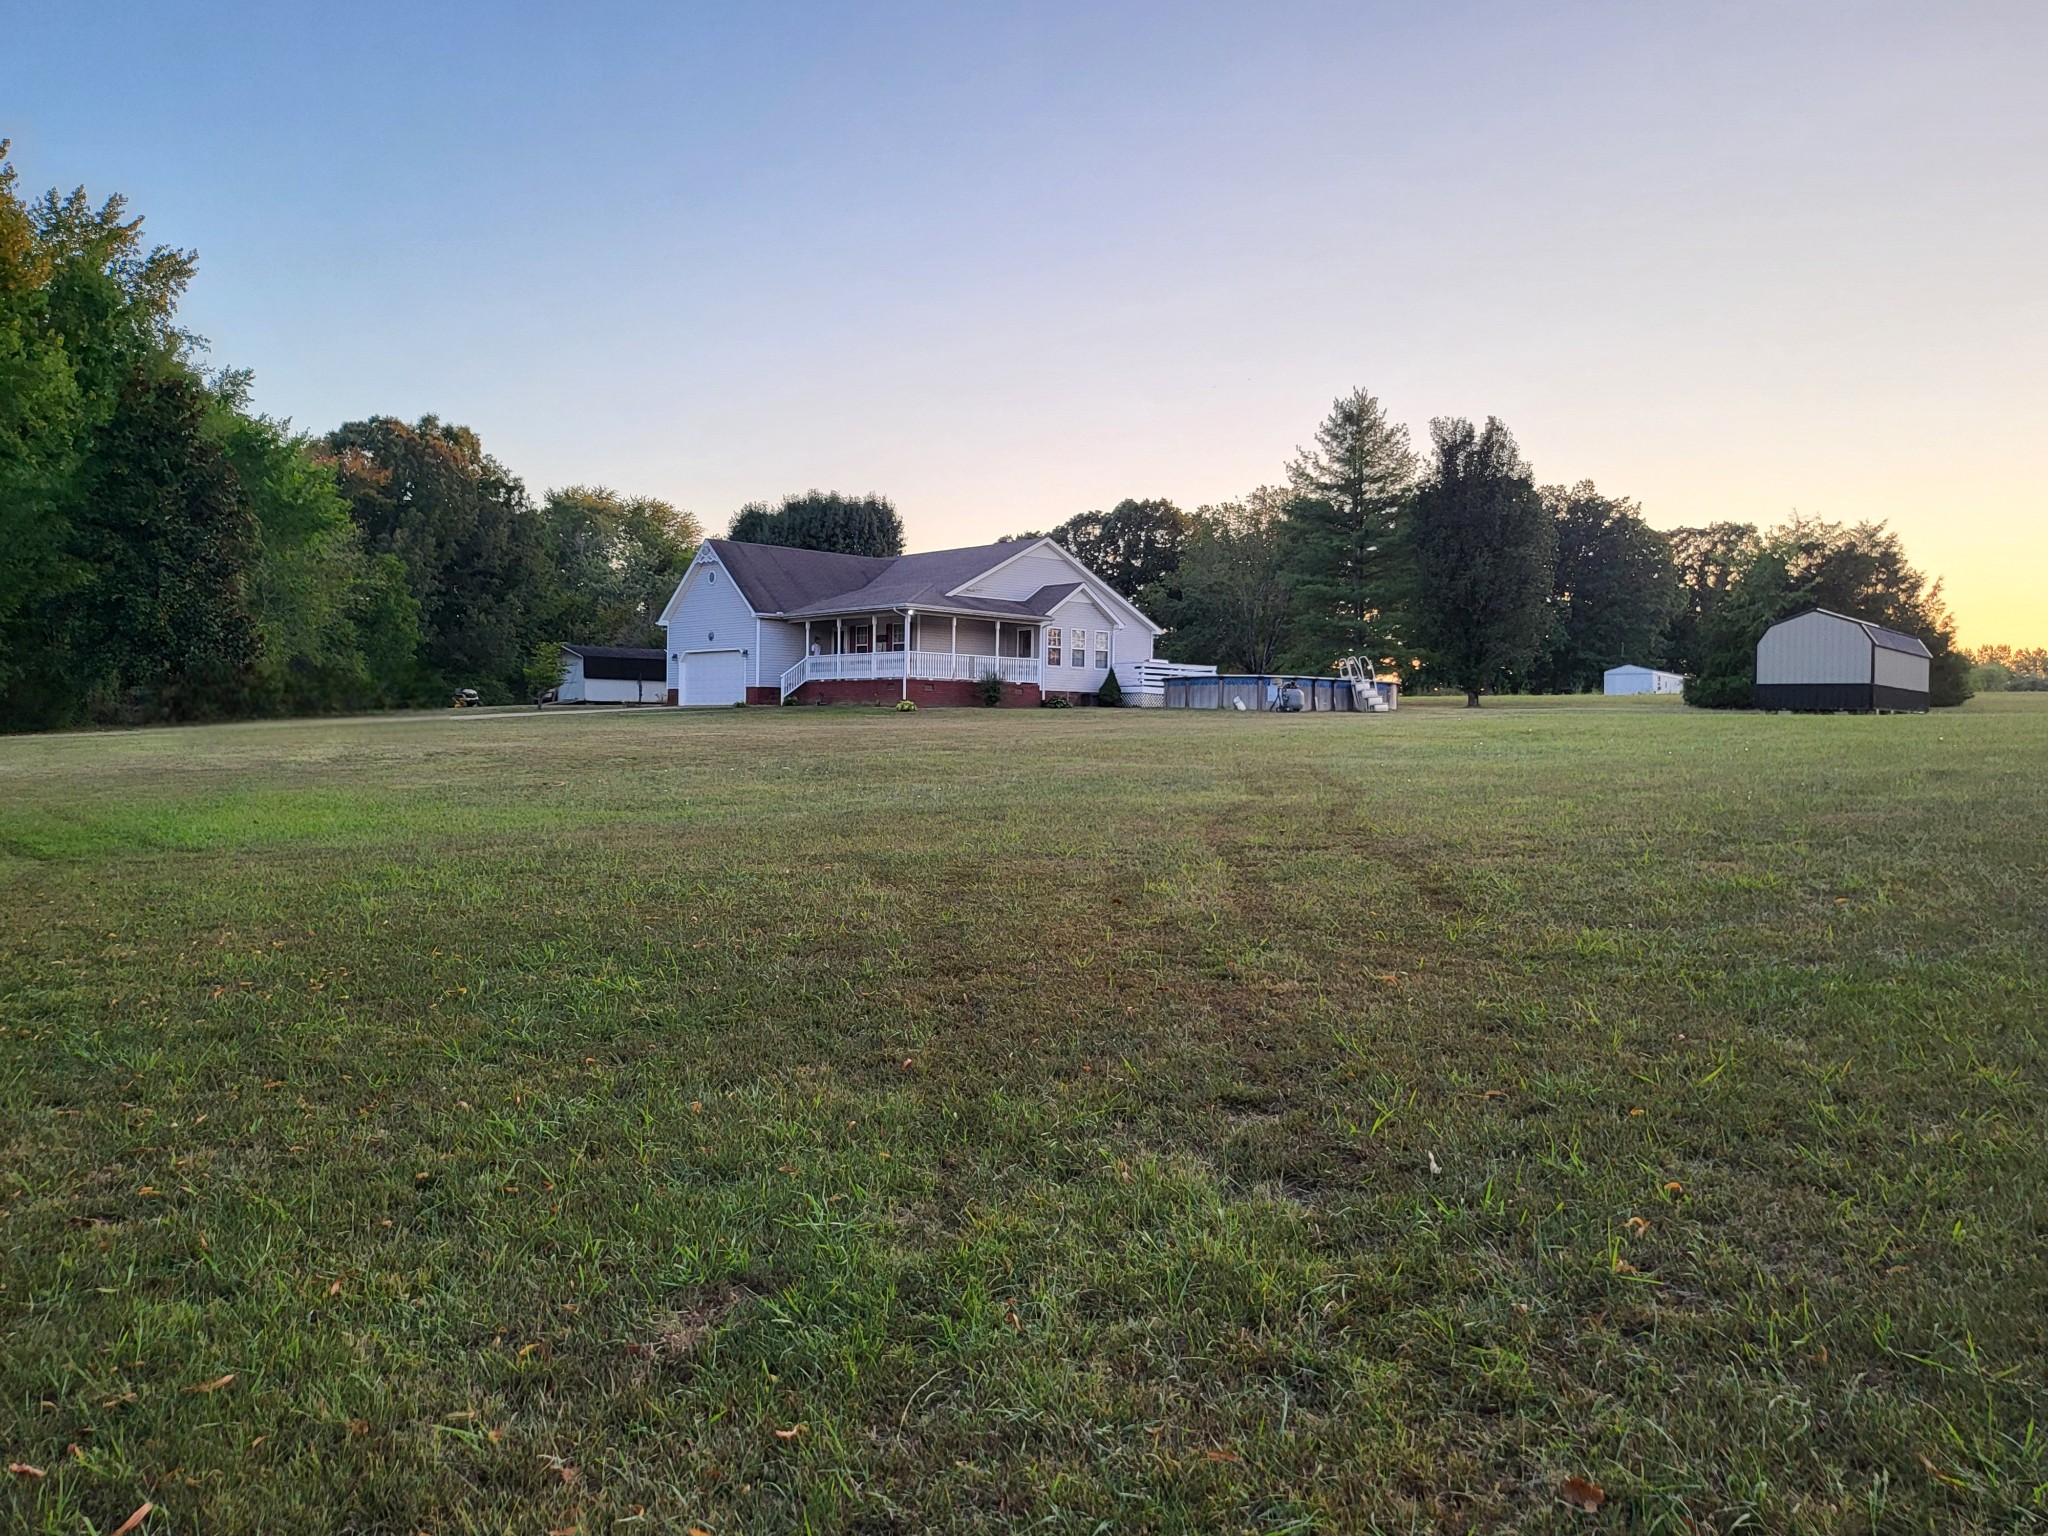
(1349, 493)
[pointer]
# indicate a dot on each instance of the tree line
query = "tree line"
(175, 555)
(1454, 568)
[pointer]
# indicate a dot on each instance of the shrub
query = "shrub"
(906, 706)
(545, 668)
(1111, 694)
(989, 688)
(1055, 701)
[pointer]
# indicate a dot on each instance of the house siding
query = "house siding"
(782, 647)
(1023, 576)
(710, 614)
(1081, 613)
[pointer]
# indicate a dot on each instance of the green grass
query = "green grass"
(1069, 1122)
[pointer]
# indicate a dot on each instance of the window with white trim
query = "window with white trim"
(1102, 647)
(1052, 647)
(1077, 648)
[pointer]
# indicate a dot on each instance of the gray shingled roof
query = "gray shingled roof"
(1045, 599)
(809, 583)
(774, 579)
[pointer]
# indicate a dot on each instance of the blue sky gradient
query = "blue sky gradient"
(1006, 263)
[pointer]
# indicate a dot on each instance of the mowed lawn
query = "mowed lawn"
(844, 1121)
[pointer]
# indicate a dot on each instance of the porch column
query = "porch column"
(999, 647)
(906, 652)
(953, 650)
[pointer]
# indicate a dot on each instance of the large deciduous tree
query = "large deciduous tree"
(474, 548)
(615, 561)
(1232, 600)
(1709, 561)
(1343, 548)
(1613, 591)
(170, 554)
(164, 628)
(1134, 545)
(827, 520)
(1484, 548)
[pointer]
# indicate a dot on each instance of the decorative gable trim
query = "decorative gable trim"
(1104, 595)
(704, 558)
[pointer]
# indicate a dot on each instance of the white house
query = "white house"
(759, 623)
(611, 674)
(1819, 660)
(1632, 679)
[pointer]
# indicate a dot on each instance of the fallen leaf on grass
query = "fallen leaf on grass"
(23, 1469)
(792, 1432)
(1637, 1225)
(334, 1289)
(1581, 1493)
(210, 1386)
(1223, 1456)
(133, 1522)
(1673, 1187)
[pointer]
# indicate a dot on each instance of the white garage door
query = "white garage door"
(714, 677)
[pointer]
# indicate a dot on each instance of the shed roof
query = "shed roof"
(1887, 639)
(614, 652)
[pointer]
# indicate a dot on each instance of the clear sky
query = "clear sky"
(1008, 262)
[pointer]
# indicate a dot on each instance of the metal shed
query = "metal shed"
(1634, 679)
(1824, 661)
(612, 674)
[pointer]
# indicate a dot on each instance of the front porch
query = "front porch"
(856, 658)
(909, 666)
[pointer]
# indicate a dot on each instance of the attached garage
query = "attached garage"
(713, 677)
(1818, 660)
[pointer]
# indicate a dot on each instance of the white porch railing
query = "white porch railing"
(938, 666)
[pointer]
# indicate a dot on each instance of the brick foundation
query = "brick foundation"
(764, 695)
(925, 694)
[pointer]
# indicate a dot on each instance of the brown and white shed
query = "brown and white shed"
(1820, 660)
